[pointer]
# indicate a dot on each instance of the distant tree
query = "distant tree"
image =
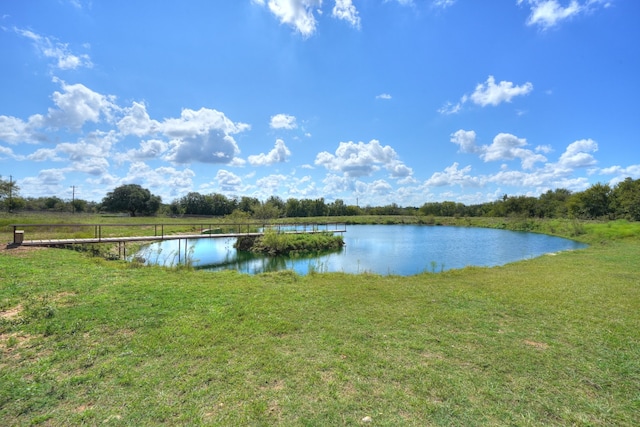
(248, 204)
(266, 211)
(592, 203)
(553, 203)
(54, 203)
(133, 199)
(278, 203)
(337, 208)
(626, 199)
(79, 205)
(220, 204)
(8, 192)
(293, 208)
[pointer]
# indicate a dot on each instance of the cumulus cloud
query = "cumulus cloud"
(578, 154)
(141, 173)
(44, 154)
(509, 147)
(77, 104)
(279, 154)
(149, 149)
(301, 14)
(345, 10)
(466, 140)
(283, 121)
(228, 181)
(488, 93)
(15, 131)
(270, 184)
(383, 96)
(136, 121)
(452, 175)
(53, 49)
(298, 14)
(361, 159)
(203, 136)
(549, 13)
(504, 147)
(48, 181)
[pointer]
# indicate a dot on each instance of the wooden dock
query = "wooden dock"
(76, 241)
(207, 231)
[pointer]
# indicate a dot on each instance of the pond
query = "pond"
(381, 249)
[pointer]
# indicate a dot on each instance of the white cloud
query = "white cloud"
(279, 154)
(504, 147)
(16, 131)
(488, 93)
(96, 166)
(177, 181)
(345, 10)
(228, 181)
(270, 184)
(361, 159)
(44, 154)
(466, 140)
(449, 108)
(8, 152)
(283, 121)
(453, 176)
(549, 13)
(203, 136)
(47, 182)
(577, 154)
(296, 13)
(50, 48)
(136, 121)
(399, 170)
(77, 104)
(509, 147)
(149, 149)
(443, 3)
(383, 96)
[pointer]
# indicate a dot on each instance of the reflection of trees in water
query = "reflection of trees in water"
(249, 262)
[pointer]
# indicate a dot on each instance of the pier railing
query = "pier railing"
(97, 233)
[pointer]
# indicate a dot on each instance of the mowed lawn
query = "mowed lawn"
(549, 341)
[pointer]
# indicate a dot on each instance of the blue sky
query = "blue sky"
(369, 101)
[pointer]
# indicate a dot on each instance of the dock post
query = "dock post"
(18, 236)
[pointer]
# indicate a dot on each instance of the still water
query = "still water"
(381, 249)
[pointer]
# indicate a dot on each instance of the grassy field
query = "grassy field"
(549, 341)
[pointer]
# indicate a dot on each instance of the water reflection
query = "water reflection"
(381, 249)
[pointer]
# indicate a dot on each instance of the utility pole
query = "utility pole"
(10, 192)
(73, 199)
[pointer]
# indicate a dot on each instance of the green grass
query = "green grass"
(549, 341)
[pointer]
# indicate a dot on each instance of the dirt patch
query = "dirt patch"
(19, 251)
(11, 313)
(9, 343)
(538, 345)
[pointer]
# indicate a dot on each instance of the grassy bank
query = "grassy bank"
(552, 341)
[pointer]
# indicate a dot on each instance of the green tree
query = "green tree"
(9, 194)
(553, 203)
(626, 199)
(592, 203)
(133, 199)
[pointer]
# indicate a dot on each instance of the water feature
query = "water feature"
(380, 249)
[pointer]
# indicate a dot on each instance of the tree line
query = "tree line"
(599, 201)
